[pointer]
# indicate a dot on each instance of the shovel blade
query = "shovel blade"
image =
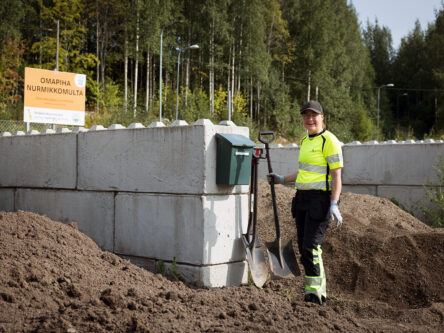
(282, 259)
(256, 260)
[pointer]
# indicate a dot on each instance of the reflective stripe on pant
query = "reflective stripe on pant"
(317, 284)
(310, 209)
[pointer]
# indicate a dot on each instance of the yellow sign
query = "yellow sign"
(54, 97)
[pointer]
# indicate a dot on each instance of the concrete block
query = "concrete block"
(400, 164)
(32, 132)
(225, 220)
(18, 133)
(360, 189)
(203, 122)
(93, 211)
(38, 161)
(5, 134)
(79, 129)
(97, 128)
(116, 126)
(179, 123)
(196, 230)
(232, 274)
(7, 199)
(153, 160)
(159, 226)
(156, 124)
(63, 130)
(179, 159)
(135, 125)
(227, 123)
(145, 263)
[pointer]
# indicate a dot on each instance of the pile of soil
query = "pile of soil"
(383, 269)
(382, 265)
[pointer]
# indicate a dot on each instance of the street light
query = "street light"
(180, 50)
(397, 105)
(160, 69)
(379, 93)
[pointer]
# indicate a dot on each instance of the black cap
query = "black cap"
(313, 106)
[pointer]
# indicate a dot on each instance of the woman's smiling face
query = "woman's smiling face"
(313, 122)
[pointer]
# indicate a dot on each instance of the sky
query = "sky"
(397, 15)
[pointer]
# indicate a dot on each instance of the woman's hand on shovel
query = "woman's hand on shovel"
(278, 179)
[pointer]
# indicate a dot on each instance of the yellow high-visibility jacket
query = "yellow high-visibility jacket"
(317, 156)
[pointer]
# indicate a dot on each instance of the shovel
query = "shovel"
(281, 256)
(255, 252)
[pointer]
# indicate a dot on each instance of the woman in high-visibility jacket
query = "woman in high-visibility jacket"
(318, 184)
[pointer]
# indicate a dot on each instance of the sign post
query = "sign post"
(54, 97)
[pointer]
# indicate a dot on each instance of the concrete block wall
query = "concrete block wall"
(394, 170)
(150, 194)
(147, 194)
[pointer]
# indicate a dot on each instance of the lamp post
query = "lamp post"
(397, 105)
(57, 50)
(379, 93)
(180, 50)
(160, 67)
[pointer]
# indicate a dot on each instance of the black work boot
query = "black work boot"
(312, 298)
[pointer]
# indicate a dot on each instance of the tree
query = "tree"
(378, 41)
(11, 51)
(330, 63)
(255, 59)
(73, 55)
(410, 73)
(435, 72)
(11, 12)
(270, 55)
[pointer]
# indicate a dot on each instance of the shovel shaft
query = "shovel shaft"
(255, 163)
(275, 212)
(250, 206)
(266, 142)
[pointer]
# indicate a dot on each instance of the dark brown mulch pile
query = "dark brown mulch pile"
(383, 268)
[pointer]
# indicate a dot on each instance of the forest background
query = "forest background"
(271, 56)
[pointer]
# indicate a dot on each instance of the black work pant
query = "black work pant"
(310, 209)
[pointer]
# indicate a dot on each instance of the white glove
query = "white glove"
(278, 179)
(335, 213)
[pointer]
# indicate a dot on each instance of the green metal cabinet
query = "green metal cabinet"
(234, 153)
